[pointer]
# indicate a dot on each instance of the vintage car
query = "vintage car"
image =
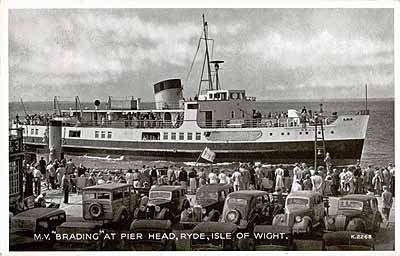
(273, 238)
(79, 236)
(109, 203)
(355, 213)
(214, 236)
(208, 205)
(165, 202)
(33, 229)
(347, 241)
(156, 235)
(247, 208)
(304, 211)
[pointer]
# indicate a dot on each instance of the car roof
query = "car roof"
(304, 193)
(213, 187)
(107, 186)
(167, 188)
(150, 225)
(214, 227)
(39, 212)
(247, 193)
(80, 224)
(357, 197)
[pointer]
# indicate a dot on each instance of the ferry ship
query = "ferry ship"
(223, 120)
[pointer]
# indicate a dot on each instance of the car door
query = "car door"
(221, 200)
(376, 215)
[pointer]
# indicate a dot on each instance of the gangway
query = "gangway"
(319, 142)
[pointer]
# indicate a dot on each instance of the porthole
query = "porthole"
(282, 133)
(319, 132)
(270, 134)
(300, 133)
(288, 133)
(306, 133)
(332, 132)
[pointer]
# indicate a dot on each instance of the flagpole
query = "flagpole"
(198, 158)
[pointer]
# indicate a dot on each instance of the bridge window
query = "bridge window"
(109, 134)
(190, 136)
(193, 106)
(233, 114)
(198, 136)
(32, 131)
(74, 134)
(96, 134)
(36, 131)
(165, 137)
(181, 136)
(103, 134)
(173, 136)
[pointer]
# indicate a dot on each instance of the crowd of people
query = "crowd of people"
(64, 175)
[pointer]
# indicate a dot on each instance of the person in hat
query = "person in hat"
(377, 182)
(66, 187)
(387, 201)
(307, 184)
(183, 177)
(192, 180)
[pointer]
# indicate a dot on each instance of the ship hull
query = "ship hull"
(342, 151)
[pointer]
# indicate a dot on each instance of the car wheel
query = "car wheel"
(246, 245)
(309, 228)
(123, 218)
(95, 210)
(377, 227)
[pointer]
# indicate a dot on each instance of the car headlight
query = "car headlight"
(298, 219)
(231, 216)
(157, 208)
(43, 224)
(331, 221)
(190, 210)
(203, 211)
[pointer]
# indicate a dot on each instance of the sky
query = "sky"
(271, 53)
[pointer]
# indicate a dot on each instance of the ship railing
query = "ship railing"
(148, 124)
(264, 123)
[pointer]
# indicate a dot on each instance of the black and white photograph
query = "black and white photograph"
(198, 129)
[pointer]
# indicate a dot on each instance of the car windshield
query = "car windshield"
(350, 204)
(237, 202)
(160, 195)
(207, 195)
(296, 202)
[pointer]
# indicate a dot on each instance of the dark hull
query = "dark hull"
(342, 151)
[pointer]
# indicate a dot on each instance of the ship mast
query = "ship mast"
(205, 27)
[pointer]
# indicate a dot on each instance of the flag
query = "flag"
(208, 154)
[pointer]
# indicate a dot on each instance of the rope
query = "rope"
(194, 58)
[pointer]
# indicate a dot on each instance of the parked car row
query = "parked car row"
(215, 209)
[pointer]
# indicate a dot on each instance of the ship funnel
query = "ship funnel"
(168, 94)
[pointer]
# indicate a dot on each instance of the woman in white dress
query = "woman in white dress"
(279, 178)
